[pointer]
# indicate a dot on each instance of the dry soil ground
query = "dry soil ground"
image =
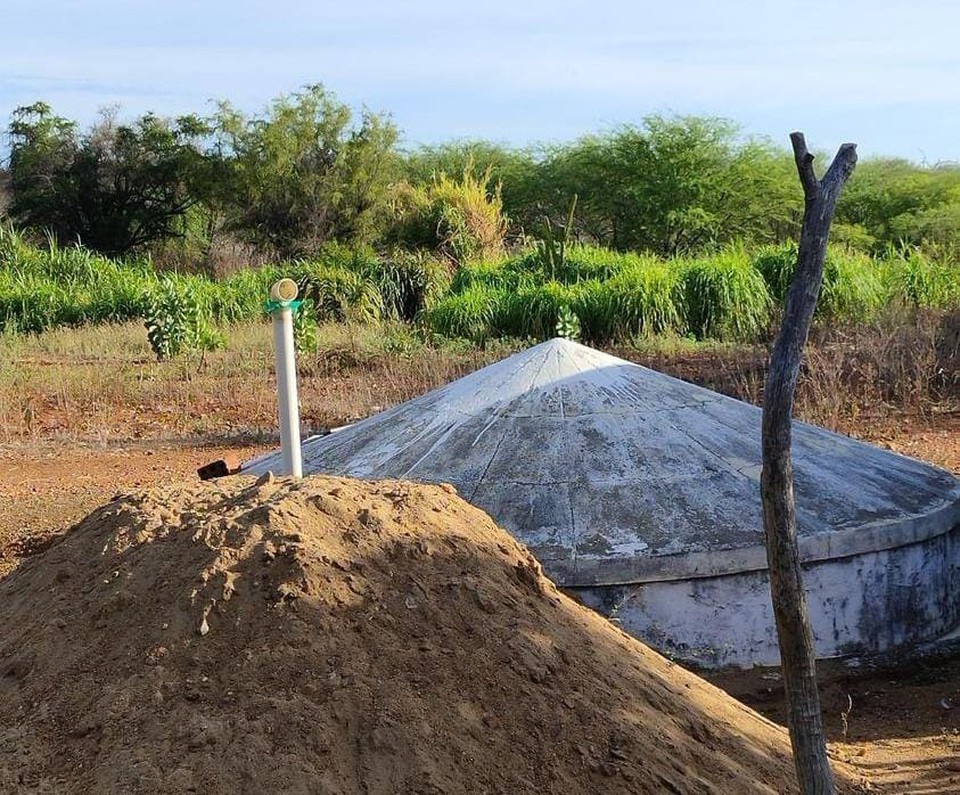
(904, 725)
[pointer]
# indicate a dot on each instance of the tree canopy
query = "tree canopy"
(308, 170)
(306, 173)
(113, 188)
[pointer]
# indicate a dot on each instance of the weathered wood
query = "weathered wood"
(776, 483)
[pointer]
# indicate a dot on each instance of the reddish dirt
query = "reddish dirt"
(903, 720)
(330, 635)
(935, 439)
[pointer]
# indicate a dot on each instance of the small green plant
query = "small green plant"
(177, 322)
(167, 321)
(568, 324)
(305, 327)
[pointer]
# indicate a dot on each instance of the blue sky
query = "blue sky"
(883, 74)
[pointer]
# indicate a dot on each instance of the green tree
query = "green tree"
(672, 185)
(115, 188)
(890, 201)
(305, 174)
(43, 147)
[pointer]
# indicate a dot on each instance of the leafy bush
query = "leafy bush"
(177, 320)
(460, 220)
(305, 173)
(568, 324)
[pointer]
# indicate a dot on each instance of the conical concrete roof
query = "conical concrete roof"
(613, 473)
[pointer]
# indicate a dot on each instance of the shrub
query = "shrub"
(458, 219)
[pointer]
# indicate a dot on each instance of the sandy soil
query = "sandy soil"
(330, 635)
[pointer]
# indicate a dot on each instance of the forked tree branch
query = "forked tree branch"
(797, 652)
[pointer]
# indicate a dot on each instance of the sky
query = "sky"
(883, 74)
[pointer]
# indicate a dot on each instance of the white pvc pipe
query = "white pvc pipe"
(287, 392)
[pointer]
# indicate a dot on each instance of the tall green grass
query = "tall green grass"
(913, 278)
(533, 312)
(853, 289)
(471, 314)
(48, 287)
(615, 298)
(724, 297)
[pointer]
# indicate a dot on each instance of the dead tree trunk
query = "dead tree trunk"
(776, 482)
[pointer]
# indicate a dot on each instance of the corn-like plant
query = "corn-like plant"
(777, 265)
(512, 274)
(305, 327)
(586, 263)
(177, 320)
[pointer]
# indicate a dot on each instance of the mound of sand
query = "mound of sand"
(338, 636)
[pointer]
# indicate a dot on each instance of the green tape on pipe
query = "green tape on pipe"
(273, 307)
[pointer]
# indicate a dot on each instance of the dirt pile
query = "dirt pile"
(337, 636)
